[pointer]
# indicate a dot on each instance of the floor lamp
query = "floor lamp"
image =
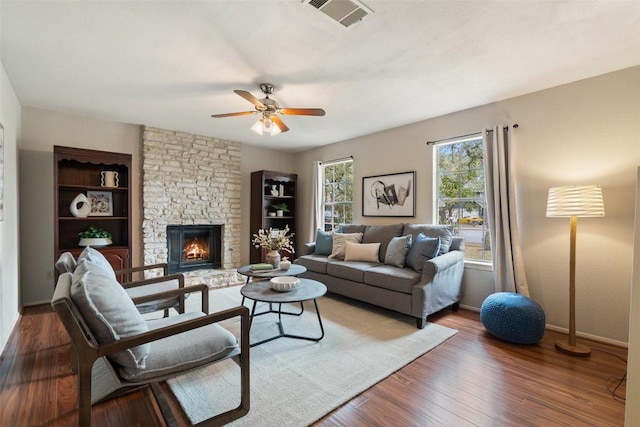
(573, 202)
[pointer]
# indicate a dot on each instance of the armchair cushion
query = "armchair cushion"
(97, 258)
(196, 347)
(66, 263)
(108, 311)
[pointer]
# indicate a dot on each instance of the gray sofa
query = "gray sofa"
(421, 287)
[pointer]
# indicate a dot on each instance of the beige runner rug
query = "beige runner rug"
(296, 382)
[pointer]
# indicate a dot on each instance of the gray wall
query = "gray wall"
(9, 241)
(581, 133)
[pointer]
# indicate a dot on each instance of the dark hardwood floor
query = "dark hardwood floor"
(470, 380)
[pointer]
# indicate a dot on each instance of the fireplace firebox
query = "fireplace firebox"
(194, 247)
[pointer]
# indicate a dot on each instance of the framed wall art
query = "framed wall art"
(101, 203)
(389, 195)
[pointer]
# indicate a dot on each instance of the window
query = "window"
(460, 197)
(337, 189)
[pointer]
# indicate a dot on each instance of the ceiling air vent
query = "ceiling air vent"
(346, 12)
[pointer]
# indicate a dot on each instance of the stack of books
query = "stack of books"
(261, 267)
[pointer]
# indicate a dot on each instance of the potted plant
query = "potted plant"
(95, 237)
(280, 208)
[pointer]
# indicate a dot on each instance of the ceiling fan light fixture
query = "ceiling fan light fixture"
(265, 126)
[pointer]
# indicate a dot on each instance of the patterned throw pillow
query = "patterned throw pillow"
(397, 251)
(340, 241)
(423, 248)
(362, 252)
(324, 242)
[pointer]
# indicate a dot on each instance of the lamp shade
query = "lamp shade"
(575, 200)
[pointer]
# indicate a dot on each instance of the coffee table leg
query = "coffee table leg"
(283, 333)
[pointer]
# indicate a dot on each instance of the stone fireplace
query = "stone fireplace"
(190, 180)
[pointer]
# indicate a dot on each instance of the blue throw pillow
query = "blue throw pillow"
(397, 251)
(324, 242)
(423, 248)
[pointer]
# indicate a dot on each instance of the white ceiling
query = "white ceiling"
(172, 64)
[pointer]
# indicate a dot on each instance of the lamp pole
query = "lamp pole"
(572, 347)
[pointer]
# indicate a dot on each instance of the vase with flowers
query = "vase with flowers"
(273, 241)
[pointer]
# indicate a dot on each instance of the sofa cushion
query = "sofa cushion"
(339, 243)
(314, 262)
(392, 278)
(97, 258)
(351, 228)
(108, 311)
(324, 242)
(431, 230)
(383, 235)
(397, 251)
(361, 252)
(350, 270)
(423, 248)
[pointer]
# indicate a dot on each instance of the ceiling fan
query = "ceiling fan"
(269, 123)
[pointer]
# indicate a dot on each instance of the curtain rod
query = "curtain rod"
(328, 162)
(515, 126)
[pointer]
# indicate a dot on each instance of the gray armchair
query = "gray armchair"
(116, 349)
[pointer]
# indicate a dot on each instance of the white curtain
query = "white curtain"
(508, 268)
(317, 205)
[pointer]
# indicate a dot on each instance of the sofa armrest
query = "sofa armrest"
(440, 284)
(309, 248)
(440, 263)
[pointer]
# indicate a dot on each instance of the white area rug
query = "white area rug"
(296, 382)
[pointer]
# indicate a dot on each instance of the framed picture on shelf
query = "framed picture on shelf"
(101, 203)
(389, 195)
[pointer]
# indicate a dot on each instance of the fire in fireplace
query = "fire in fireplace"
(194, 247)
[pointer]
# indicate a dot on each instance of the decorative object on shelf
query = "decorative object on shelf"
(272, 214)
(94, 237)
(109, 179)
(280, 208)
(389, 195)
(285, 264)
(80, 206)
(273, 241)
(274, 190)
(101, 203)
(574, 201)
(284, 283)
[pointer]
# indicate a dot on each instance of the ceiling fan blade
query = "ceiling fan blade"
(252, 99)
(242, 113)
(278, 122)
(302, 111)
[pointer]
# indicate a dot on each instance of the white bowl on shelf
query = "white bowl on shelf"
(284, 283)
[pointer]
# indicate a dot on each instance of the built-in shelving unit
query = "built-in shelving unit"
(78, 171)
(269, 188)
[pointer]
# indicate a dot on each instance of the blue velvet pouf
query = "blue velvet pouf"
(513, 317)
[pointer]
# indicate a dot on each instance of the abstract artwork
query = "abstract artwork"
(389, 195)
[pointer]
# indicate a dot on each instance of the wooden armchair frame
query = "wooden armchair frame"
(88, 351)
(162, 304)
